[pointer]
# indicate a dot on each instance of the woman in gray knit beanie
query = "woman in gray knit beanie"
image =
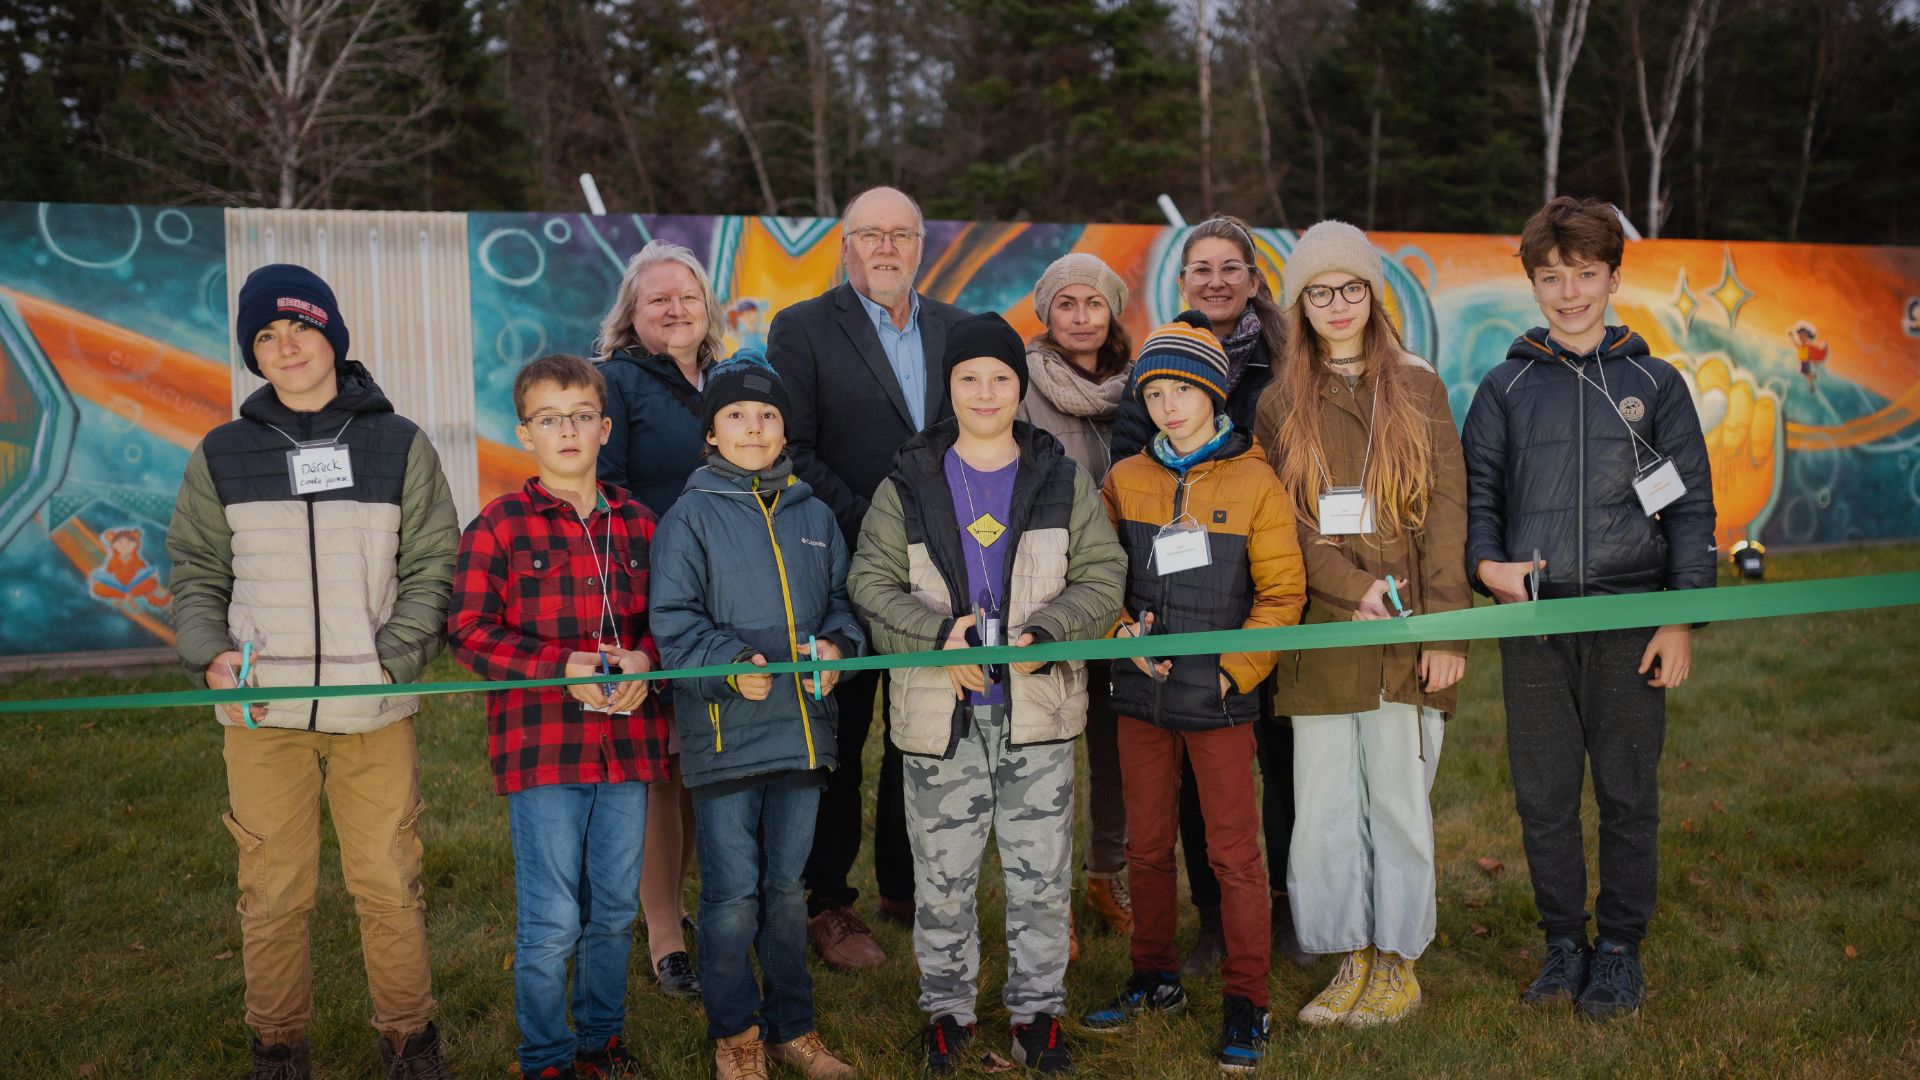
(1077, 369)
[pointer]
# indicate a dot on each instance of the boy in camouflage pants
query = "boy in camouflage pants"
(990, 519)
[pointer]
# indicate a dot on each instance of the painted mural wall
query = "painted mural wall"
(1804, 362)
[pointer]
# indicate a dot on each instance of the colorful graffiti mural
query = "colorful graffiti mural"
(1804, 362)
(113, 364)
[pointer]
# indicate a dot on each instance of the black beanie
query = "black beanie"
(986, 334)
(286, 291)
(745, 376)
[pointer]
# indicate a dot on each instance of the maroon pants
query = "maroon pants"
(1150, 778)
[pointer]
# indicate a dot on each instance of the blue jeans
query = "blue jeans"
(753, 847)
(576, 884)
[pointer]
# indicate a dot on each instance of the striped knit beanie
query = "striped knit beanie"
(1184, 349)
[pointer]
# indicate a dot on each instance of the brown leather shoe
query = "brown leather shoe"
(843, 941)
(1108, 898)
(897, 912)
(740, 1057)
(811, 1056)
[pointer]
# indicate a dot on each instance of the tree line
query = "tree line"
(1738, 119)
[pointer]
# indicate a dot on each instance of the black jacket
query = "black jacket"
(1133, 429)
(1550, 467)
(656, 439)
(848, 417)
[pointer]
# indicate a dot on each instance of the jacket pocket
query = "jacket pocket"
(536, 582)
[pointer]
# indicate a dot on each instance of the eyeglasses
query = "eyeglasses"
(871, 237)
(551, 421)
(1231, 273)
(1321, 295)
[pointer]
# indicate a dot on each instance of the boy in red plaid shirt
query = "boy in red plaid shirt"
(552, 581)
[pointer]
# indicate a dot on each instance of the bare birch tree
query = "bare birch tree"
(723, 73)
(1203, 56)
(1657, 115)
(1256, 50)
(295, 96)
(1559, 33)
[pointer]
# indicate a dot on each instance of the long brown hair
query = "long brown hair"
(1234, 231)
(1400, 472)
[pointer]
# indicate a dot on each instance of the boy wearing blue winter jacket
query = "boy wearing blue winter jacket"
(749, 566)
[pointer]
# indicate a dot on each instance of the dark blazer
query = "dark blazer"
(848, 415)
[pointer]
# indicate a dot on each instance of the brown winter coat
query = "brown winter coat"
(1340, 569)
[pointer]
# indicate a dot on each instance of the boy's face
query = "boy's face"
(565, 427)
(1573, 296)
(749, 434)
(985, 393)
(297, 360)
(1179, 408)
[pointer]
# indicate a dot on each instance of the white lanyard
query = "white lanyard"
(980, 550)
(1608, 394)
(1367, 456)
(300, 445)
(603, 565)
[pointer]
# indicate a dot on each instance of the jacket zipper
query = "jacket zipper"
(713, 714)
(313, 574)
(1580, 489)
(793, 643)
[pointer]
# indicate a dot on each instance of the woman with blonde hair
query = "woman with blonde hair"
(655, 345)
(1360, 433)
(1078, 368)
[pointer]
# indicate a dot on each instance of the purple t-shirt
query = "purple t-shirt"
(982, 502)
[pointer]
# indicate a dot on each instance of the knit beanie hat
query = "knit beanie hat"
(286, 291)
(1184, 349)
(1079, 268)
(1332, 245)
(985, 334)
(744, 376)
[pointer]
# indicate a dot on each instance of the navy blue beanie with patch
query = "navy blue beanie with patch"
(745, 376)
(286, 291)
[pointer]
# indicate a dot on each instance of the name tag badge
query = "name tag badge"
(1345, 511)
(1181, 546)
(1658, 485)
(320, 467)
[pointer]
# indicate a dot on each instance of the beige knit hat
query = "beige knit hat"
(1332, 245)
(1079, 268)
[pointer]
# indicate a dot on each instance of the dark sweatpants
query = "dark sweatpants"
(1573, 699)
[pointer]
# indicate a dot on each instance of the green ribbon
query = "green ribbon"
(1569, 616)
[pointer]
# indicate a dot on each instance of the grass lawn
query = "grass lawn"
(1787, 942)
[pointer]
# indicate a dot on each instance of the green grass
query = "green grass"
(1791, 834)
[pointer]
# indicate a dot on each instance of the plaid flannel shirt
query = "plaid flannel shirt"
(527, 593)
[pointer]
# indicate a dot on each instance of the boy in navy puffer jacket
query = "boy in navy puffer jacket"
(748, 566)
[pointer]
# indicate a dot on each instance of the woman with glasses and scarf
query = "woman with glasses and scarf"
(1220, 277)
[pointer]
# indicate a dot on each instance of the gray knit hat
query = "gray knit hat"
(1332, 245)
(1079, 268)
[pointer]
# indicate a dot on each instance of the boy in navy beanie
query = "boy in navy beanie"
(285, 291)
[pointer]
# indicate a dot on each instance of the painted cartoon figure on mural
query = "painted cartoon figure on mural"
(746, 324)
(1808, 346)
(126, 577)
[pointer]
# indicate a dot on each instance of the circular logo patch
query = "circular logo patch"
(1633, 409)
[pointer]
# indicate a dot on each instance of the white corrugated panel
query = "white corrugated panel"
(401, 279)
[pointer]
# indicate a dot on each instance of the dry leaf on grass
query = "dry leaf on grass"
(228, 955)
(1853, 953)
(1476, 903)
(1716, 807)
(1686, 764)
(1716, 856)
(506, 964)
(1481, 931)
(86, 1069)
(1696, 878)
(88, 726)
(1491, 866)
(138, 947)
(1687, 826)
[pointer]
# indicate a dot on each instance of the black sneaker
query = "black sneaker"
(1209, 946)
(611, 1060)
(1146, 991)
(1563, 975)
(675, 972)
(419, 1059)
(1243, 1035)
(282, 1061)
(1042, 1046)
(1616, 986)
(944, 1041)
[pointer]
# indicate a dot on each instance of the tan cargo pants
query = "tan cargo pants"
(275, 778)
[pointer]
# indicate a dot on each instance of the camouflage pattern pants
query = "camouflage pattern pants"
(1025, 795)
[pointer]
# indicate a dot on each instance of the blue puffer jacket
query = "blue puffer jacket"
(746, 563)
(656, 439)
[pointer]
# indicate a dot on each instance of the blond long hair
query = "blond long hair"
(616, 327)
(1400, 472)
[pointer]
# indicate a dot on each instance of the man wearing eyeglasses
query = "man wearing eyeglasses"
(861, 363)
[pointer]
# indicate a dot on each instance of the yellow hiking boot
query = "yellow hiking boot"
(740, 1057)
(1392, 992)
(1332, 1005)
(811, 1056)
